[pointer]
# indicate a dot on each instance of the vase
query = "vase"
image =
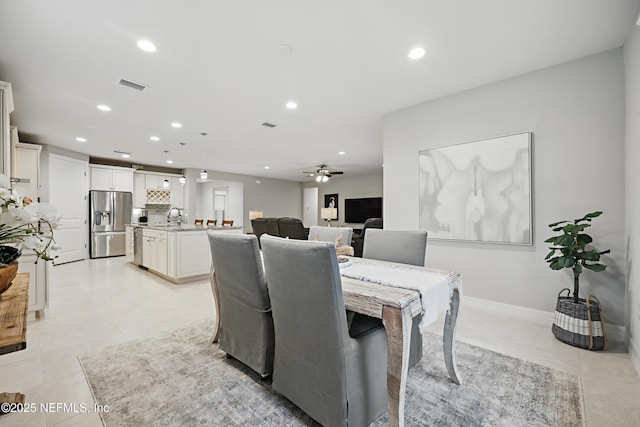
(7, 274)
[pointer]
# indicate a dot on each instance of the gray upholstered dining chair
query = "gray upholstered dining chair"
(335, 374)
(406, 247)
(246, 324)
(331, 234)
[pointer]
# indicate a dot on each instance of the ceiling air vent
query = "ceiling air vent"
(269, 125)
(133, 85)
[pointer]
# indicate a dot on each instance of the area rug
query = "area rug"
(180, 379)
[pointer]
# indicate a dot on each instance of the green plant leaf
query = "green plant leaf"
(584, 239)
(594, 267)
(589, 256)
(593, 214)
(557, 223)
(550, 254)
(568, 262)
(566, 240)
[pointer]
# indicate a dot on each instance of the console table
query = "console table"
(13, 324)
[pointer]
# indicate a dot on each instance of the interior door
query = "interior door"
(310, 206)
(68, 194)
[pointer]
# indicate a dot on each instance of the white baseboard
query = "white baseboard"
(614, 332)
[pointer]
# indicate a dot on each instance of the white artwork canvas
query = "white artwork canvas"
(478, 191)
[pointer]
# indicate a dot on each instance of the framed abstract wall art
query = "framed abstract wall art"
(478, 191)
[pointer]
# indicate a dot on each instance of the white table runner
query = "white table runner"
(435, 287)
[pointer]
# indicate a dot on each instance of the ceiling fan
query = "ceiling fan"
(323, 174)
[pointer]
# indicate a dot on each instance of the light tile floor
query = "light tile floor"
(98, 303)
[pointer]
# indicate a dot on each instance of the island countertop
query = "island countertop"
(183, 227)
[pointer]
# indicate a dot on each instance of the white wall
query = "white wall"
(274, 197)
(347, 187)
(576, 113)
(632, 178)
(234, 208)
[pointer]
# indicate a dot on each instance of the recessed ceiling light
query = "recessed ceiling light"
(341, 153)
(416, 53)
(291, 105)
(125, 155)
(80, 139)
(176, 125)
(154, 138)
(170, 162)
(266, 167)
(146, 45)
(103, 107)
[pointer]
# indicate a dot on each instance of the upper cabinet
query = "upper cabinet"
(25, 167)
(111, 178)
(156, 182)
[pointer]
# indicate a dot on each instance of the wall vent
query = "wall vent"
(269, 125)
(133, 85)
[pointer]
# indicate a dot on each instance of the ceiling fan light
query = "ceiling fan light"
(318, 178)
(325, 178)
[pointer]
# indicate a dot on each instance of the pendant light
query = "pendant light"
(203, 175)
(182, 180)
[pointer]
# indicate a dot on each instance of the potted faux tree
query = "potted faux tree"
(578, 320)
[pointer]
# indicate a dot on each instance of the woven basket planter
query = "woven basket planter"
(579, 324)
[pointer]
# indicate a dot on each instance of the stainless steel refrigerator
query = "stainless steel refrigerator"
(110, 212)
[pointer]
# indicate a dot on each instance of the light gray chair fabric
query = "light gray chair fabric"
(406, 247)
(246, 324)
(330, 234)
(337, 379)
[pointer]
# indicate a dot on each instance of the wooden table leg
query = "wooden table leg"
(397, 323)
(216, 301)
(448, 338)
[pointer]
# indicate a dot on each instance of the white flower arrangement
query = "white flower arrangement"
(25, 224)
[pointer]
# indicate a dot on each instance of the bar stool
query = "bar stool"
(212, 221)
(227, 222)
(199, 221)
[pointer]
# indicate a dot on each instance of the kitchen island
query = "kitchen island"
(178, 253)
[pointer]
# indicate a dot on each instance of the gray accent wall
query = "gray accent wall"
(576, 113)
(347, 187)
(632, 178)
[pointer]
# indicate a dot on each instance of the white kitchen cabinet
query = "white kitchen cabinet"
(189, 254)
(38, 280)
(25, 166)
(155, 182)
(139, 190)
(111, 178)
(154, 250)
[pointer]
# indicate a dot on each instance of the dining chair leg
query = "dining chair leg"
(448, 338)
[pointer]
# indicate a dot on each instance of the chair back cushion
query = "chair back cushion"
(407, 247)
(331, 234)
(310, 324)
(272, 227)
(246, 325)
(292, 228)
(259, 226)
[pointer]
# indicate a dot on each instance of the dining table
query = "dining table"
(397, 294)
(379, 291)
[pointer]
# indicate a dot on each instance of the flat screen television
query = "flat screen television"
(359, 210)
